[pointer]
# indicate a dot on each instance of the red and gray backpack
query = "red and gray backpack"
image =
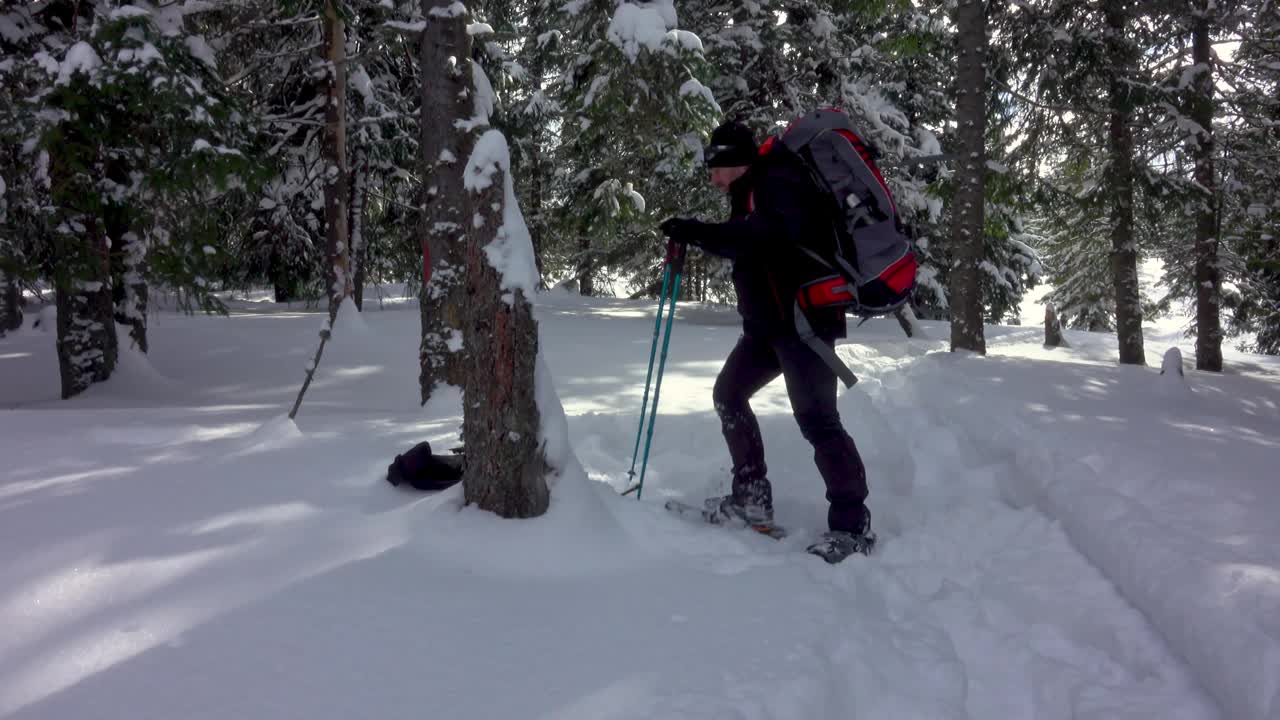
(871, 269)
(868, 253)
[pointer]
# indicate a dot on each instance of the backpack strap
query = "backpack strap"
(824, 351)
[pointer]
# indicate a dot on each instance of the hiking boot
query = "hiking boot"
(836, 545)
(725, 510)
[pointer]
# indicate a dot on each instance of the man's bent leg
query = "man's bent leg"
(750, 366)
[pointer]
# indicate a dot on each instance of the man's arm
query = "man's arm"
(780, 222)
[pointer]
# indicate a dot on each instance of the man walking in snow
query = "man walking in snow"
(774, 205)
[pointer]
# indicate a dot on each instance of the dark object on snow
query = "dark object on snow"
(423, 470)
(1053, 328)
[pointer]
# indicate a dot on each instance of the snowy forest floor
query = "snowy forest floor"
(1061, 537)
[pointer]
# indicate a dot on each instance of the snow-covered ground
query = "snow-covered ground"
(1061, 537)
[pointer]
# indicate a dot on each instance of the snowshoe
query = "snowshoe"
(724, 511)
(836, 545)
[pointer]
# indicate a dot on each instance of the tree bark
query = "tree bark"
(337, 172)
(359, 246)
(586, 268)
(506, 470)
(1124, 248)
(1052, 328)
(534, 177)
(133, 306)
(446, 98)
(87, 345)
(1207, 272)
(967, 214)
(537, 200)
(10, 303)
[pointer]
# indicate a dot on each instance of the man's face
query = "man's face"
(723, 177)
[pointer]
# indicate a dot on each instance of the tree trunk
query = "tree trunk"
(534, 177)
(359, 247)
(537, 201)
(132, 307)
(337, 172)
(87, 345)
(967, 214)
(1052, 328)
(586, 268)
(1208, 275)
(1124, 248)
(446, 97)
(10, 303)
(506, 470)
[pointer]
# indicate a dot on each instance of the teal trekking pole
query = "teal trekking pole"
(672, 271)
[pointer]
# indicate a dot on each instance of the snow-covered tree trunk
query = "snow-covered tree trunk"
(448, 98)
(87, 345)
(1207, 272)
(337, 172)
(506, 470)
(967, 211)
(1124, 246)
(133, 308)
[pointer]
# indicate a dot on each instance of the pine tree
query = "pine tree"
(1249, 201)
(635, 113)
(336, 172)
(126, 123)
(1088, 70)
(1121, 56)
(968, 227)
(1077, 248)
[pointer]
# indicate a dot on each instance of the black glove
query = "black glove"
(681, 230)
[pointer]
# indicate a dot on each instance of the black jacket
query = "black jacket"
(775, 206)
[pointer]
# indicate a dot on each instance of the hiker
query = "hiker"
(774, 204)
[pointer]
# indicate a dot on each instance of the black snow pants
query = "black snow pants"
(811, 386)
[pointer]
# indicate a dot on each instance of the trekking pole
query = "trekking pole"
(653, 352)
(675, 260)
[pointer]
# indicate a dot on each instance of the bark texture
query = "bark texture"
(1207, 272)
(87, 345)
(506, 470)
(132, 308)
(1052, 328)
(337, 171)
(967, 218)
(447, 96)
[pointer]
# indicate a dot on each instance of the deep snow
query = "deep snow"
(1061, 538)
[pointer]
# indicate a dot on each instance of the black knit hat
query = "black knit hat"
(732, 145)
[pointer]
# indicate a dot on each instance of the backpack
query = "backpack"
(423, 470)
(870, 268)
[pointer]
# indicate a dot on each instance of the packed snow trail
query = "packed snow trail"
(179, 551)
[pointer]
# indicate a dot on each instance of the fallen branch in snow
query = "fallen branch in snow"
(325, 334)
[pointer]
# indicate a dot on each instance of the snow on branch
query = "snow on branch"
(651, 27)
